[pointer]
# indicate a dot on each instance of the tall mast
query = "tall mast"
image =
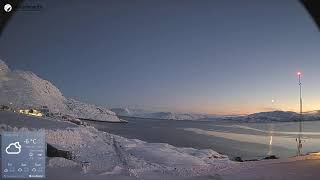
(300, 119)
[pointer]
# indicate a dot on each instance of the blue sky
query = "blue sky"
(211, 56)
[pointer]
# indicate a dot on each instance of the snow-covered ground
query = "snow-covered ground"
(24, 90)
(100, 153)
(295, 168)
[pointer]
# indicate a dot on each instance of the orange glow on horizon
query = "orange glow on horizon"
(250, 110)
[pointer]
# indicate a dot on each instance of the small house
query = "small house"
(31, 112)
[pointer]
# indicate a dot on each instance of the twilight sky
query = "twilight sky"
(211, 56)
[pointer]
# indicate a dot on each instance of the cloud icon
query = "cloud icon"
(13, 148)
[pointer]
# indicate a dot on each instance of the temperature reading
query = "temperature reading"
(28, 141)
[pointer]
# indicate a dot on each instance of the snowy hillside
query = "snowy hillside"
(21, 90)
(89, 111)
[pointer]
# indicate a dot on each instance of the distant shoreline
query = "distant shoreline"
(121, 120)
(217, 120)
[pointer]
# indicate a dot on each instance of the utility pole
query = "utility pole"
(300, 122)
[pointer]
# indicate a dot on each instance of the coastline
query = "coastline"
(101, 153)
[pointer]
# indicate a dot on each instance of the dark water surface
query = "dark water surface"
(247, 140)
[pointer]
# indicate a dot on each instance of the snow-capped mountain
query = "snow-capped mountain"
(275, 116)
(158, 115)
(121, 111)
(22, 90)
(177, 116)
(128, 112)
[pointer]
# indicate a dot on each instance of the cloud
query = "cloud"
(13, 148)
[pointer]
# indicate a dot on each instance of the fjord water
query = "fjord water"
(246, 140)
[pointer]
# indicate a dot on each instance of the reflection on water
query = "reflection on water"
(270, 130)
(299, 140)
(281, 141)
(270, 142)
(270, 146)
(294, 140)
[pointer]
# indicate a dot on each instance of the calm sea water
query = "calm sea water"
(247, 140)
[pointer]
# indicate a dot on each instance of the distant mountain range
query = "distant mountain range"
(271, 116)
(160, 115)
(277, 116)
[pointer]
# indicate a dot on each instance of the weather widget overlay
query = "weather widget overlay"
(23, 154)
